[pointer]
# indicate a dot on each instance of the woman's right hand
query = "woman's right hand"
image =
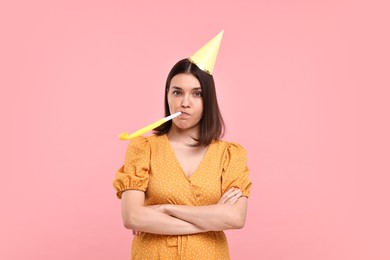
(231, 196)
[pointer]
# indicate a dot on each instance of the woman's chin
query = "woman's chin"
(185, 127)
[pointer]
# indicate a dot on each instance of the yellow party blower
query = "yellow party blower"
(126, 136)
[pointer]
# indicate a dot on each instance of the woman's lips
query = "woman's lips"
(184, 114)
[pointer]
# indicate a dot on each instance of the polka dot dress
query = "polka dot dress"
(151, 166)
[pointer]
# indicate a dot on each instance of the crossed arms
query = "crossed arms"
(169, 219)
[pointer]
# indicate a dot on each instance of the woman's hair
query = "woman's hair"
(211, 125)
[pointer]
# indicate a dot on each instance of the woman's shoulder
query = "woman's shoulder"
(229, 145)
(145, 141)
(153, 140)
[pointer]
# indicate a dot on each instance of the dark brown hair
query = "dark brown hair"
(211, 124)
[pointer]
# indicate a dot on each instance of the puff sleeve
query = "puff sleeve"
(234, 170)
(134, 174)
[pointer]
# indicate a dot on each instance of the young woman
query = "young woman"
(183, 186)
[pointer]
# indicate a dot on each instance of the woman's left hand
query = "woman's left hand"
(231, 196)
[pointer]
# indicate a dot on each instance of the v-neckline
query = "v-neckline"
(178, 163)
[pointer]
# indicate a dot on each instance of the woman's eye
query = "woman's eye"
(198, 94)
(176, 93)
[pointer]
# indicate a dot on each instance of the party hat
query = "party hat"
(205, 57)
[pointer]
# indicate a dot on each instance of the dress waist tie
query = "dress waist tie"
(180, 242)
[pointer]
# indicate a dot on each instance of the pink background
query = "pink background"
(303, 86)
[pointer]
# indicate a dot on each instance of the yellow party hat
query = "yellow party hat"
(205, 57)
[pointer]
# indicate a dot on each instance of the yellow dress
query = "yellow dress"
(151, 166)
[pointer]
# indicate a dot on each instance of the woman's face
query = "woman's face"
(185, 95)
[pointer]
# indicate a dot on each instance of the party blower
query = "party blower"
(126, 136)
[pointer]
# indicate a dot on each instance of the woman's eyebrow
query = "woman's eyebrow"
(179, 88)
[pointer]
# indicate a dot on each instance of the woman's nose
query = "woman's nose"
(185, 102)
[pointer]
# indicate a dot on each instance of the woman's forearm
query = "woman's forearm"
(152, 221)
(137, 216)
(213, 217)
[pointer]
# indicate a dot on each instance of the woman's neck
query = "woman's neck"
(183, 136)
